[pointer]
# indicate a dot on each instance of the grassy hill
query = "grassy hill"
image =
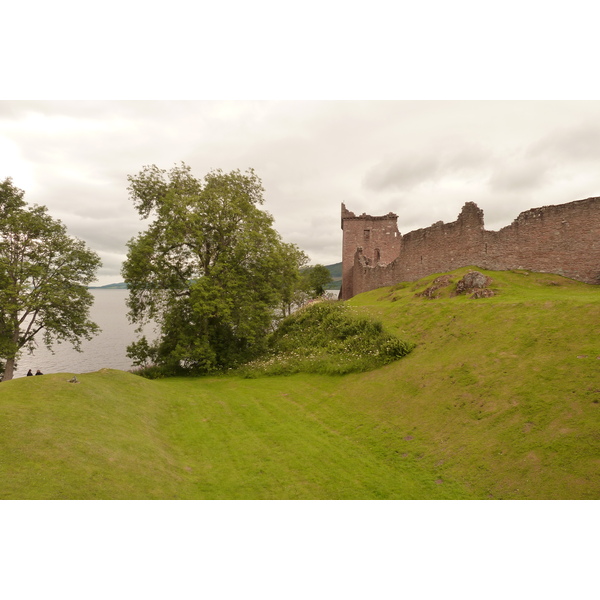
(499, 399)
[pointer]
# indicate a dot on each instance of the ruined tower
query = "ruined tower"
(562, 239)
(375, 239)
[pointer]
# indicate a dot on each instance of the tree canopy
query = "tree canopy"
(316, 280)
(210, 270)
(44, 274)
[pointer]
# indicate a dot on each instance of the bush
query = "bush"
(327, 338)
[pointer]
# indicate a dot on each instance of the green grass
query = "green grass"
(499, 399)
(116, 435)
(506, 390)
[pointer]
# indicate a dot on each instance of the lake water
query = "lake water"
(105, 350)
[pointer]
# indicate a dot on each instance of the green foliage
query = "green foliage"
(328, 338)
(210, 269)
(152, 371)
(44, 275)
(316, 279)
(305, 284)
(292, 282)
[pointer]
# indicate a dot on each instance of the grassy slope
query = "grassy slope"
(115, 435)
(503, 392)
(100, 438)
(494, 402)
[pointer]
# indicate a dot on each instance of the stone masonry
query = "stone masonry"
(562, 239)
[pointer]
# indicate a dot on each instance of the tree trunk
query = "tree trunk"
(9, 369)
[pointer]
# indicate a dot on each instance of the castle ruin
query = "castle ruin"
(562, 239)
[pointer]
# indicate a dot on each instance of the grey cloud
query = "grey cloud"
(111, 267)
(553, 156)
(442, 158)
(402, 174)
(519, 175)
(578, 143)
(84, 108)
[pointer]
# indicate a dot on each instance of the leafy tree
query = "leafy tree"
(44, 275)
(210, 270)
(316, 280)
(293, 282)
(308, 283)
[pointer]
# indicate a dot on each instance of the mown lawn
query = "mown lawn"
(115, 435)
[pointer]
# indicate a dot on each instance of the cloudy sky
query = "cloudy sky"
(420, 159)
(346, 121)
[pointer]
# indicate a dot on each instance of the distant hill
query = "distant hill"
(110, 286)
(335, 270)
(336, 273)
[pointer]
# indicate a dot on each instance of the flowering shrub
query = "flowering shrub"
(327, 338)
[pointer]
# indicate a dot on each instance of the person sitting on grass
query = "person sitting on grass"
(38, 372)
(29, 373)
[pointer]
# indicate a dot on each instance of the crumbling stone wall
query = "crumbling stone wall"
(562, 239)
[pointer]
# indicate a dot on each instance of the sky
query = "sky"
(419, 159)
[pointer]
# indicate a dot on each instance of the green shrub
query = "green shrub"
(151, 372)
(327, 338)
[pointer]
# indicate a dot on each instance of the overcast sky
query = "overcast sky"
(420, 159)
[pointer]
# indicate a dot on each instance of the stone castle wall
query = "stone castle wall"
(562, 239)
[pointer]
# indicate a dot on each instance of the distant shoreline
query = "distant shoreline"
(335, 270)
(110, 286)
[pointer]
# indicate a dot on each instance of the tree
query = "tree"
(316, 280)
(293, 292)
(44, 275)
(307, 283)
(210, 270)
